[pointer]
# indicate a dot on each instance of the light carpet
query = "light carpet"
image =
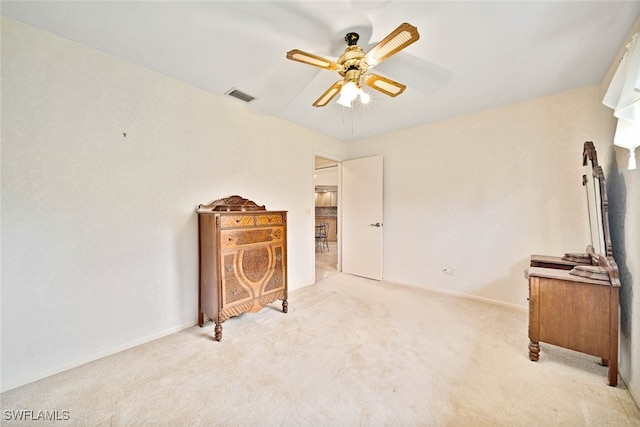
(350, 352)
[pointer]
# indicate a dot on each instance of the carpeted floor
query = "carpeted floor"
(350, 352)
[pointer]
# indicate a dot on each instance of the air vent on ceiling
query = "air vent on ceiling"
(240, 95)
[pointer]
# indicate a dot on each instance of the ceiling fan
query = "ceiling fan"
(353, 65)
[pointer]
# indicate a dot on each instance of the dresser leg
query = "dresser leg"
(200, 319)
(613, 373)
(285, 306)
(218, 331)
(534, 351)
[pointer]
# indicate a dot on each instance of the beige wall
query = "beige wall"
(479, 194)
(99, 232)
(623, 187)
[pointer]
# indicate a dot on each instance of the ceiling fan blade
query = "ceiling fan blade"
(397, 40)
(311, 59)
(329, 94)
(384, 84)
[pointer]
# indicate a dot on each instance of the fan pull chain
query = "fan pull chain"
(343, 118)
(352, 121)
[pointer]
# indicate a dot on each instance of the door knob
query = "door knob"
(377, 224)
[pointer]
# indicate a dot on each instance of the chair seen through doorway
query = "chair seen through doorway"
(321, 236)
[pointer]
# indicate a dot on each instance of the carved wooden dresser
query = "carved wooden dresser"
(573, 299)
(243, 259)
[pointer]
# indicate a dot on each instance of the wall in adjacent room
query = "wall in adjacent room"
(327, 176)
(99, 231)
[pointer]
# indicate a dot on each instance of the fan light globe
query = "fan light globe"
(364, 97)
(343, 102)
(348, 93)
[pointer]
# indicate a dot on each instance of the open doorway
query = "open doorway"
(326, 188)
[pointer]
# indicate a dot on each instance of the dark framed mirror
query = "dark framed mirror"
(597, 203)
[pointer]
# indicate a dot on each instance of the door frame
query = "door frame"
(339, 207)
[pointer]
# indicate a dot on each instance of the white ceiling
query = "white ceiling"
(471, 56)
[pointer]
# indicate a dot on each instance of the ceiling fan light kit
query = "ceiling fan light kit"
(353, 65)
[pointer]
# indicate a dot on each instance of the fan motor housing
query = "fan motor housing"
(351, 59)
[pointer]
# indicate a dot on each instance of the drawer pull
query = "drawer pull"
(228, 268)
(234, 291)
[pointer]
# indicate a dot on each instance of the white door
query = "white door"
(362, 217)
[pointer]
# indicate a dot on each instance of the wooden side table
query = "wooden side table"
(574, 312)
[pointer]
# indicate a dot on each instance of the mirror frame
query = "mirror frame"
(589, 154)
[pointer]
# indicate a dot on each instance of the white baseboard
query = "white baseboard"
(459, 294)
(635, 395)
(90, 358)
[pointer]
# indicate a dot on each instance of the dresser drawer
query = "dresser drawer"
(236, 238)
(269, 219)
(234, 221)
(276, 280)
(235, 292)
(250, 263)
